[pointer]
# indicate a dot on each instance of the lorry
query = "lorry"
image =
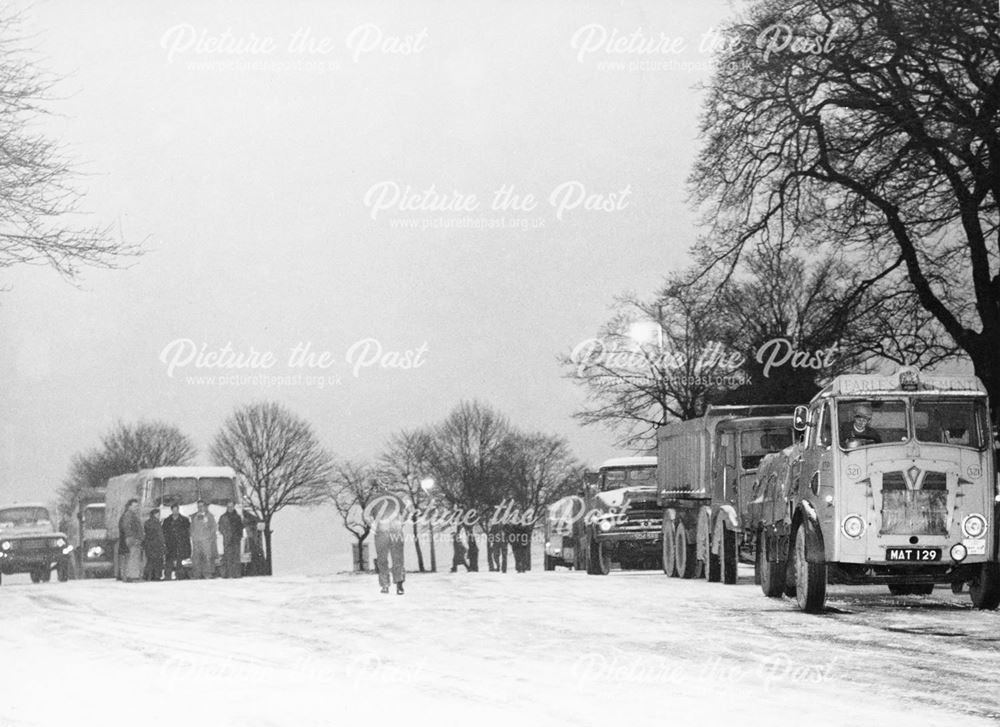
(30, 543)
(892, 483)
(92, 549)
(706, 470)
(622, 518)
(164, 487)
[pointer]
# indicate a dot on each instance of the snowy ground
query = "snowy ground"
(538, 648)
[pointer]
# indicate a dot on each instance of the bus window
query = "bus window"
(217, 490)
(171, 491)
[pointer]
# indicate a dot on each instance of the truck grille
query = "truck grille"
(27, 545)
(642, 520)
(914, 512)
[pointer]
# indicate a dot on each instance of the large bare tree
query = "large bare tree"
(280, 459)
(353, 487)
(125, 448)
(871, 127)
(39, 197)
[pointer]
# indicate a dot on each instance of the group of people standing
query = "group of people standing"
(499, 538)
(154, 550)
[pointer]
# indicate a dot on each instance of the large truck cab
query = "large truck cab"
(893, 482)
(30, 543)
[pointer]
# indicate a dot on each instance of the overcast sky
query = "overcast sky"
(263, 152)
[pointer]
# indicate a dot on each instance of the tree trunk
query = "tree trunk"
(434, 565)
(362, 562)
(416, 544)
(268, 564)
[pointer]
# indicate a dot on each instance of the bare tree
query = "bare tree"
(352, 489)
(38, 198)
(468, 456)
(126, 448)
(879, 137)
(402, 466)
(279, 458)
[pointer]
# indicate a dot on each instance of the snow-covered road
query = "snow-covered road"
(538, 648)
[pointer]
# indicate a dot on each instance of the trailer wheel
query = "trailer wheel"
(669, 561)
(772, 573)
(985, 587)
(728, 553)
(810, 578)
(684, 553)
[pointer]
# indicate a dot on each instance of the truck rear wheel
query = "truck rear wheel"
(600, 561)
(684, 553)
(810, 578)
(669, 561)
(729, 556)
(985, 587)
(771, 573)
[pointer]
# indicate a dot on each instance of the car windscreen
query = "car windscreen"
(93, 518)
(628, 477)
(864, 422)
(955, 421)
(12, 517)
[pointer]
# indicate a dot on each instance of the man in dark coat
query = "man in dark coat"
(231, 527)
(177, 542)
(860, 428)
(154, 546)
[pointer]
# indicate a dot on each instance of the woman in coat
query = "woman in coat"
(133, 532)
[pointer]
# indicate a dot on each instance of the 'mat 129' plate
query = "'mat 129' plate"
(913, 555)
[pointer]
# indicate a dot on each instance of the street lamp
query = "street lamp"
(427, 485)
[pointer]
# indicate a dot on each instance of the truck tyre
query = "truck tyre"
(900, 589)
(669, 561)
(549, 565)
(922, 589)
(601, 559)
(810, 578)
(684, 553)
(729, 556)
(45, 574)
(957, 587)
(985, 587)
(36, 575)
(772, 573)
(62, 571)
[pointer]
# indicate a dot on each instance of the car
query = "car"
(30, 543)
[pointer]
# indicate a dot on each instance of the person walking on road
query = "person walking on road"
(131, 527)
(231, 527)
(177, 539)
(460, 549)
(387, 516)
(203, 529)
(154, 546)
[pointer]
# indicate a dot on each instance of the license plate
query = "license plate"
(913, 555)
(647, 536)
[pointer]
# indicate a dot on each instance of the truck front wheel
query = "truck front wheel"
(729, 556)
(600, 560)
(810, 578)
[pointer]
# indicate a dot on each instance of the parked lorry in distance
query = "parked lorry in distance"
(163, 487)
(30, 543)
(622, 521)
(93, 551)
(707, 467)
(560, 525)
(893, 483)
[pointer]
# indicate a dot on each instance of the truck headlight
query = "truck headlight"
(853, 526)
(605, 525)
(974, 526)
(5, 545)
(95, 552)
(958, 552)
(60, 542)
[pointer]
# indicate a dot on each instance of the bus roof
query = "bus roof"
(628, 462)
(194, 471)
